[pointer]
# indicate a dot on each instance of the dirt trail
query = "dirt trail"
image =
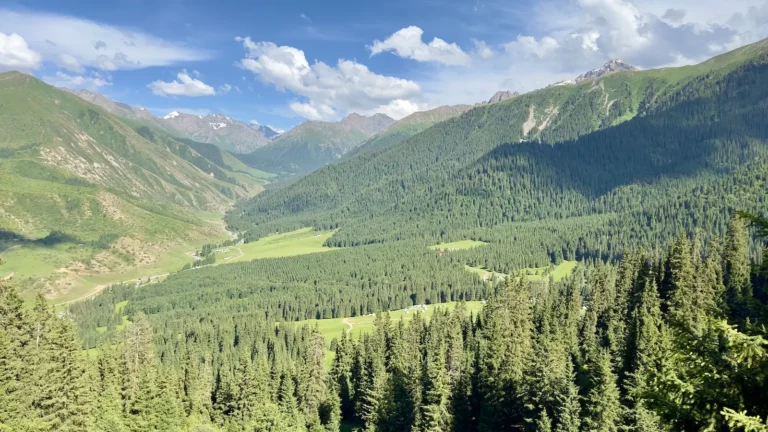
(99, 288)
(348, 324)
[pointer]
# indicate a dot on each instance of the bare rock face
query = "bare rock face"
(613, 66)
(217, 129)
(502, 95)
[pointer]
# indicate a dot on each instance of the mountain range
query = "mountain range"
(227, 133)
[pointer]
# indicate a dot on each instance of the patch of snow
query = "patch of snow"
(565, 82)
(217, 126)
(171, 115)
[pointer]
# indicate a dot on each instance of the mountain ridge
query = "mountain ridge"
(234, 136)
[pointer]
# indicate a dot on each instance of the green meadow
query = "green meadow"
(360, 325)
(457, 245)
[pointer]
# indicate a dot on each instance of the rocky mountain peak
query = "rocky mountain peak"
(613, 66)
(502, 95)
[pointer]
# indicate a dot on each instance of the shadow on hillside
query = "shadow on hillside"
(713, 132)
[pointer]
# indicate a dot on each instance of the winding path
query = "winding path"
(348, 324)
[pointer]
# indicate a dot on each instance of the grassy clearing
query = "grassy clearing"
(299, 242)
(533, 274)
(457, 245)
(357, 326)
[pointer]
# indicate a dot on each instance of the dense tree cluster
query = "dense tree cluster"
(656, 343)
(660, 341)
(341, 283)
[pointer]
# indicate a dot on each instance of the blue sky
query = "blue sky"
(281, 62)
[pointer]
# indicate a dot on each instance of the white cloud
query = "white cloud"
(482, 50)
(16, 54)
(255, 122)
(61, 79)
(330, 90)
(397, 108)
(94, 44)
(313, 111)
(407, 43)
(69, 63)
(184, 86)
(224, 88)
(527, 44)
(568, 38)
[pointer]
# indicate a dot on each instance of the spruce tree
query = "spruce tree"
(736, 267)
(603, 406)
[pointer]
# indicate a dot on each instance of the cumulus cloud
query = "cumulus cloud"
(619, 28)
(407, 43)
(313, 111)
(95, 44)
(61, 79)
(482, 50)
(16, 54)
(69, 63)
(540, 48)
(224, 88)
(184, 86)
(329, 90)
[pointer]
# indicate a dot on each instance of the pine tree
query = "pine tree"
(603, 407)
(313, 378)
(682, 300)
(736, 266)
(543, 423)
(435, 409)
(568, 414)
(505, 353)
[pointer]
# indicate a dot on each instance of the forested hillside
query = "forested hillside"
(313, 144)
(671, 341)
(640, 147)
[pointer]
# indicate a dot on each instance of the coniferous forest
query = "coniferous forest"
(669, 339)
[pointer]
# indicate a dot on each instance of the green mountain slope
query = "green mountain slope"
(312, 144)
(633, 144)
(67, 165)
(408, 127)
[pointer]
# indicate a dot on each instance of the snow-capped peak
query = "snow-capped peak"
(171, 115)
(615, 65)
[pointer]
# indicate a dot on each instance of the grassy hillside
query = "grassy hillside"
(124, 194)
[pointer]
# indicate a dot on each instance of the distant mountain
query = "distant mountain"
(422, 120)
(313, 144)
(613, 66)
(218, 129)
(224, 132)
(119, 109)
(407, 127)
(502, 95)
(268, 131)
